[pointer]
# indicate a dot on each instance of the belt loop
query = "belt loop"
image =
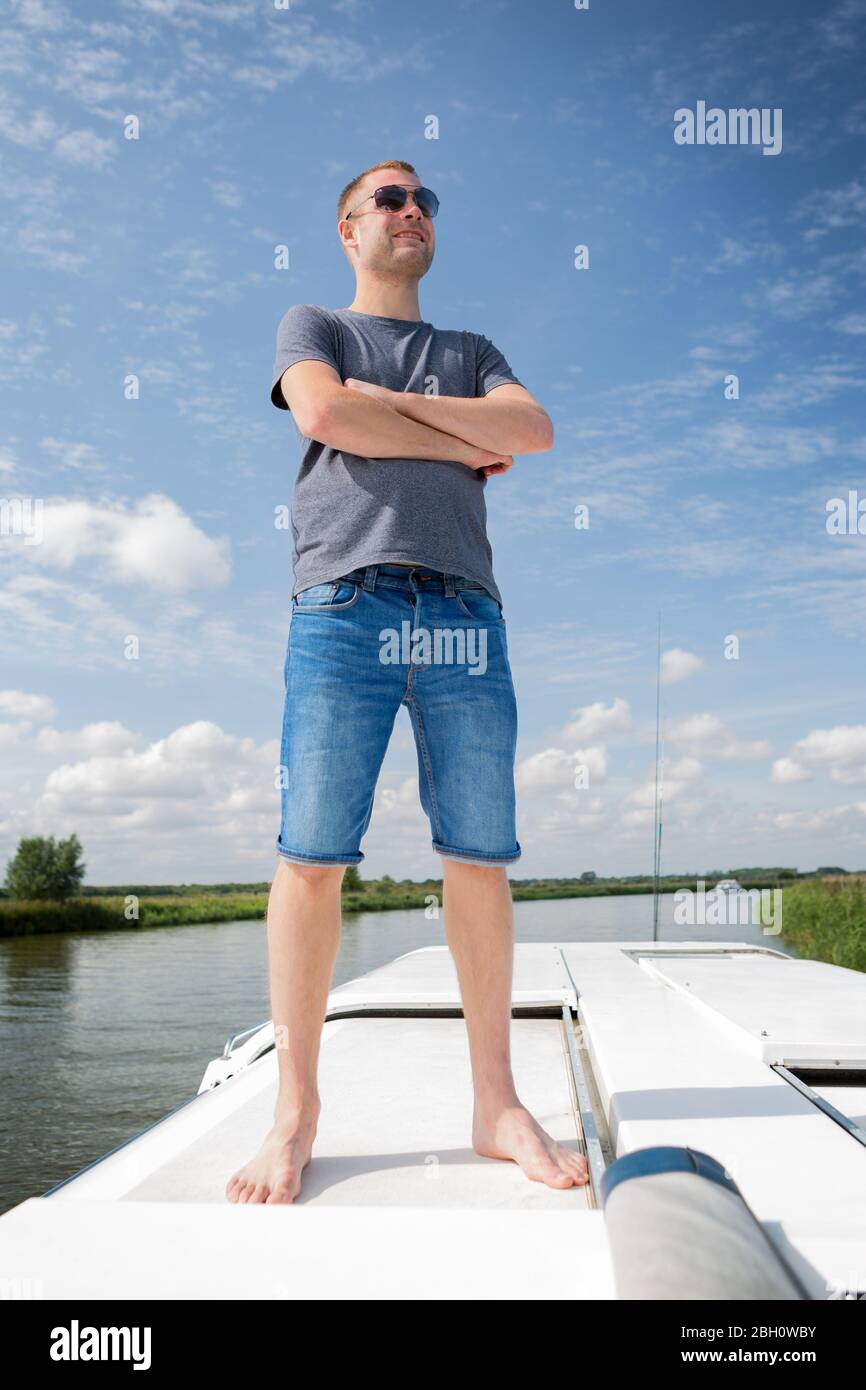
(449, 585)
(370, 577)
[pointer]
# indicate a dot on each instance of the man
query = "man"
(400, 424)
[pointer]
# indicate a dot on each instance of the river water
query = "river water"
(104, 1032)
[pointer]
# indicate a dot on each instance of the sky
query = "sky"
(704, 373)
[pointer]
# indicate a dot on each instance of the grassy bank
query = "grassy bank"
(158, 905)
(108, 914)
(826, 920)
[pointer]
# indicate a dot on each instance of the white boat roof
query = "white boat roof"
(682, 1039)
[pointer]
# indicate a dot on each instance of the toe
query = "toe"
(554, 1175)
(280, 1194)
(559, 1178)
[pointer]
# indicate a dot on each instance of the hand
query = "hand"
(483, 461)
(369, 388)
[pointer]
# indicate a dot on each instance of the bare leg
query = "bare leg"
(479, 927)
(304, 922)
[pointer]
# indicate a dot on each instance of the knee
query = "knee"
(455, 867)
(313, 875)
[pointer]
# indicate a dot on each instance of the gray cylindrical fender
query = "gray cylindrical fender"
(679, 1228)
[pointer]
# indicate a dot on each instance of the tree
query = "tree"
(352, 879)
(45, 868)
(588, 877)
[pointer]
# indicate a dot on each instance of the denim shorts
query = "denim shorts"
(360, 646)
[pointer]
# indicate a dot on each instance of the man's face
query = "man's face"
(398, 245)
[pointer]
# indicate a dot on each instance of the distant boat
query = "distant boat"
(717, 1091)
(728, 885)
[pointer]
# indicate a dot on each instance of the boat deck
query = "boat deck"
(657, 1044)
(395, 1124)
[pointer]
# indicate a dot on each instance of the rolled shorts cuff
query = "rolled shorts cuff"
(468, 856)
(296, 858)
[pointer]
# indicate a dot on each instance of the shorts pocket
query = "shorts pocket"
(479, 605)
(336, 594)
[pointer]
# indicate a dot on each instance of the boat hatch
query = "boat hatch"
(837, 1088)
(395, 1129)
(797, 1013)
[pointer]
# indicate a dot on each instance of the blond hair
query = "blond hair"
(351, 187)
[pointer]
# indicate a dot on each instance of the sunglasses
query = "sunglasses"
(393, 196)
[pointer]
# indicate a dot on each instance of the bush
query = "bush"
(44, 869)
(827, 921)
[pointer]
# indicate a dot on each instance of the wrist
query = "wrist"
(461, 451)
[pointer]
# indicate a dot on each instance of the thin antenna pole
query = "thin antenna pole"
(659, 839)
(657, 807)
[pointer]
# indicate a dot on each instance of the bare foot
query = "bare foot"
(274, 1175)
(511, 1132)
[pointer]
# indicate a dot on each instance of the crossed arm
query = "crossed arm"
(359, 417)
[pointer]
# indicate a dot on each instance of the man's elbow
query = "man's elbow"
(315, 418)
(538, 435)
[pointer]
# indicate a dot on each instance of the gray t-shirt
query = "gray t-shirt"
(348, 510)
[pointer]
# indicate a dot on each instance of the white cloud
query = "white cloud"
(86, 148)
(830, 209)
(838, 819)
(677, 665)
(789, 770)
(31, 129)
(228, 194)
(841, 750)
(554, 767)
(181, 768)
(707, 736)
(673, 779)
(22, 354)
(800, 295)
(571, 811)
(596, 719)
(397, 802)
(107, 738)
(75, 626)
(199, 786)
(31, 709)
(682, 770)
(841, 743)
(152, 543)
(851, 776)
(802, 820)
(74, 455)
(753, 446)
(36, 14)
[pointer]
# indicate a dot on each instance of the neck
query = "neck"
(387, 299)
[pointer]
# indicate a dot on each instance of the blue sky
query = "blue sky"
(156, 257)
